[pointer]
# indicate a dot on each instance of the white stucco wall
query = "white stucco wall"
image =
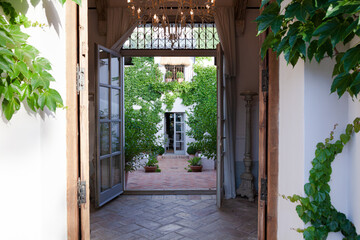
(354, 165)
(33, 146)
(291, 146)
(308, 113)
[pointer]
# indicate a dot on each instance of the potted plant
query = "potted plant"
(168, 76)
(191, 150)
(194, 165)
(180, 77)
(160, 150)
(152, 164)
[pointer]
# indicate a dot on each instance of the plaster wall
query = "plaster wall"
(354, 165)
(291, 146)
(33, 146)
(308, 112)
(354, 168)
(247, 80)
(322, 111)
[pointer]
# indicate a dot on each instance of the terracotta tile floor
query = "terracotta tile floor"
(173, 176)
(174, 217)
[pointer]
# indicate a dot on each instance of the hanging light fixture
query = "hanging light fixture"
(172, 15)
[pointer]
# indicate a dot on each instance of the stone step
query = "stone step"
(173, 156)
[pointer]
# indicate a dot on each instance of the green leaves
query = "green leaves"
(51, 99)
(24, 75)
(310, 29)
(351, 58)
(270, 18)
(296, 9)
(75, 1)
(316, 207)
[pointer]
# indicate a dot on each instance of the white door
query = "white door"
(179, 133)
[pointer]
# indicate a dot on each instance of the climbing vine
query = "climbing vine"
(24, 75)
(316, 207)
(143, 108)
(201, 95)
(317, 29)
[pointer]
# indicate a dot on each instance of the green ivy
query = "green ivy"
(24, 75)
(316, 208)
(309, 29)
(202, 95)
(142, 84)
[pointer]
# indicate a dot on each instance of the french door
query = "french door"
(179, 133)
(110, 126)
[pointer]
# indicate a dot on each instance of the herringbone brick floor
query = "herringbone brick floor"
(174, 217)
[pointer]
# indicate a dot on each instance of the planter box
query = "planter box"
(196, 168)
(150, 169)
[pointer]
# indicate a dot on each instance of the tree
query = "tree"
(317, 29)
(142, 108)
(310, 29)
(202, 117)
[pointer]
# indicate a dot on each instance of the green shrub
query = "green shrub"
(160, 150)
(168, 74)
(152, 161)
(191, 150)
(195, 161)
(179, 75)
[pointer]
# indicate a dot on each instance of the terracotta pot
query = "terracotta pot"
(196, 168)
(150, 169)
(180, 80)
(168, 79)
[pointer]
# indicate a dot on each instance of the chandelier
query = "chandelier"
(172, 15)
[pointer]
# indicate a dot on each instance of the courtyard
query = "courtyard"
(173, 176)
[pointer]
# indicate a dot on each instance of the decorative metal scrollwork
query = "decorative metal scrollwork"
(194, 36)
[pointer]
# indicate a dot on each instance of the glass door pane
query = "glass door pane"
(103, 67)
(179, 133)
(110, 154)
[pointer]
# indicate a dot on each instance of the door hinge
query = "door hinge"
(80, 79)
(265, 80)
(264, 191)
(81, 189)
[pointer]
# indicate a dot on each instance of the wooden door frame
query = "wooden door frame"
(268, 144)
(272, 147)
(76, 20)
(77, 120)
(72, 144)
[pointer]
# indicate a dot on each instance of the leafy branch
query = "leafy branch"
(78, 2)
(309, 29)
(24, 75)
(316, 207)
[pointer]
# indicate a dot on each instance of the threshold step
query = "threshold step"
(170, 192)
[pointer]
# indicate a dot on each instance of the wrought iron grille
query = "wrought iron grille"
(196, 36)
